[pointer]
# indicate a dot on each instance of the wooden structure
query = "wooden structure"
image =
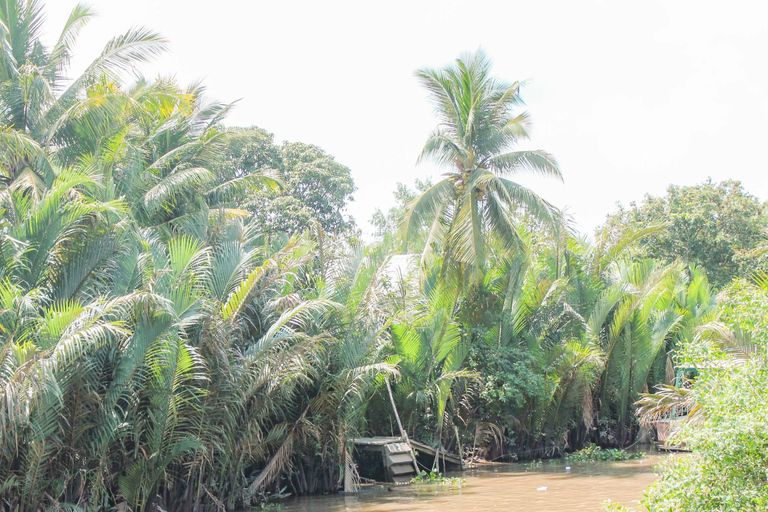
(397, 456)
(400, 458)
(448, 458)
(666, 428)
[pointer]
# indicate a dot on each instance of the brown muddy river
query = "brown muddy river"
(545, 487)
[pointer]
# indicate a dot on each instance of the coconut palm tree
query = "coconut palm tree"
(479, 126)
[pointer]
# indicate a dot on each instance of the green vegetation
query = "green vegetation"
(479, 126)
(728, 468)
(307, 187)
(727, 427)
(594, 453)
(715, 225)
(437, 478)
(189, 322)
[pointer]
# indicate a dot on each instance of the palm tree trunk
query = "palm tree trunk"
(439, 447)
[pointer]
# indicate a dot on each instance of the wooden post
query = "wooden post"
(458, 445)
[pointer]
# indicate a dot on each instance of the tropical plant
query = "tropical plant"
(718, 226)
(478, 128)
(575, 333)
(430, 350)
(163, 346)
(725, 425)
(43, 106)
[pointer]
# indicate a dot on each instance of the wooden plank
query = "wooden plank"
(426, 449)
(401, 469)
(400, 458)
(423, 448)
(392, 448)
(376, 441)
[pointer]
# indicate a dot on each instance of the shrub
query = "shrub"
(728, 469)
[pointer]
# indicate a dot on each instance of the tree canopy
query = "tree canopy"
(714, 225)
(306, 185)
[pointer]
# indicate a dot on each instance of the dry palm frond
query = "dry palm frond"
(669, 402)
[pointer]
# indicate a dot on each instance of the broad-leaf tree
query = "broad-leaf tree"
(717, 226)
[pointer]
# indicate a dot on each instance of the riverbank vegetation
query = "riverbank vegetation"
(725, 428)
(190, 322)
(594, 453)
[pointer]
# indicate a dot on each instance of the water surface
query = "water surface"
(504, 487)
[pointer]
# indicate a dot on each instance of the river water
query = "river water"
(508, 487)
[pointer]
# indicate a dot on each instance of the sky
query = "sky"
(628, 96)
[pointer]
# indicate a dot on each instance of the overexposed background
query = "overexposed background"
(629, 96)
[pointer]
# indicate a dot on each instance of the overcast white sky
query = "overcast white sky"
(629, 96)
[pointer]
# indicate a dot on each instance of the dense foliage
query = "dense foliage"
(307, 186)
(728, 469)
(715, 225)
(188, 323)
(726, 425)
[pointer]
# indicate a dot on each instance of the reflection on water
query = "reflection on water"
(505, 487)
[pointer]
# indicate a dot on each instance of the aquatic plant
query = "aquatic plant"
(433, 477)
(594, 453)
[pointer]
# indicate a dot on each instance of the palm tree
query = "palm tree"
(51, 118)
(431, 352)
(478, 129)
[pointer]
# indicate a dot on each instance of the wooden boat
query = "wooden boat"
(400, 456)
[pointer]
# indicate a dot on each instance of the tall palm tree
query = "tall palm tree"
(479, 126)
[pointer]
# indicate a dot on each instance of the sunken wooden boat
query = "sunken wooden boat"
(399, 459)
